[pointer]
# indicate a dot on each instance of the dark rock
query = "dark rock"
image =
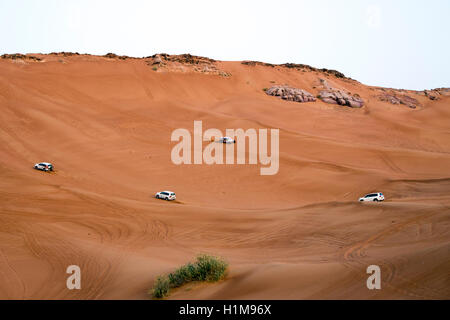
(115, 56)
(257, 63)
(19, 56)
(188, 59)
(296, 66)
(65, 54)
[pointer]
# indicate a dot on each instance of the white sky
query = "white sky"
(392, 43)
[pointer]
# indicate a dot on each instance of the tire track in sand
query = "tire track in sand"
(353, 256)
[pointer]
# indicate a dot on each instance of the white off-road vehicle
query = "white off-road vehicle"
(372, 197)
(166, 195)
(44, 166)
(226, 140)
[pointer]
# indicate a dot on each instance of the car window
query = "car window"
(172, 194)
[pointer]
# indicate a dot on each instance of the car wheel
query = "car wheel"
(157, 197)
(376, 200)
(167, 198)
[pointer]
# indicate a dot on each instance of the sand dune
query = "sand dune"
(105, 123)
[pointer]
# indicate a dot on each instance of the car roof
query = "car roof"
(47, 163)
(168, 191)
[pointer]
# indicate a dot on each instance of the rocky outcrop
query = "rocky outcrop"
(257, 63)
(18, 56)
(157, 60)
(290, 94)
(297, 66)
(443, 91)
(115, 56)
(436, 93)
(335, 73)
(184, 63)
(65, 54)
(181, 58)
(403, 99)
(336, 96)
(431, 95)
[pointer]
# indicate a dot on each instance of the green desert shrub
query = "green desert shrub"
(210, 268)
(182, 275)
(161, 287)
(206, 268)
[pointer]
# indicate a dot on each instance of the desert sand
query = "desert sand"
(105, 123)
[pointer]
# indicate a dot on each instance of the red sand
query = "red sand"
(301, 234)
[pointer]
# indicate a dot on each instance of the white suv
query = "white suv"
(373, 197)
(227, 140)
(44, 166)
(166, 195)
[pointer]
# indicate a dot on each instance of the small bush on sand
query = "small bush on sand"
(161, 287)
(206, 268)
(210, 268)
(265, 89)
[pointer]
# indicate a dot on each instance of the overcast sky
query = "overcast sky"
(392, 43)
